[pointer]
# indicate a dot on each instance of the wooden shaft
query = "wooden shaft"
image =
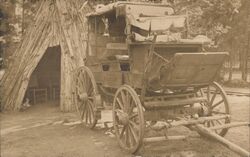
(164, 138)
(229, 125)
(188, 122)
(34, 96)
(207, 132)
(199, 120)
(172, 103)
(169, 96)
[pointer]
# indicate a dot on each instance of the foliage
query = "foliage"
(10, 23)
(210, 17)
(6, 13)
(240, 25)
(5, 16)
(226, 22)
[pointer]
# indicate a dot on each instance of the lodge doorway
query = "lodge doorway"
(44, 84)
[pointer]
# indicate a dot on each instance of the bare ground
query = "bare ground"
(43, 131)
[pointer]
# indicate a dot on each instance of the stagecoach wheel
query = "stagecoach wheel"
(128, 119)
(217, 105)
(85, 93)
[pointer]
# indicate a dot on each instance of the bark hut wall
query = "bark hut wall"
(58, 22)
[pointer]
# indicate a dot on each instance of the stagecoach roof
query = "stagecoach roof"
(120, 6)
(145, 16)
(148, 17)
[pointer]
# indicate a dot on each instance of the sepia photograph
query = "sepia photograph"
(124, 78)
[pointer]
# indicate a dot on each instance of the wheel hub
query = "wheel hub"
(123, 118)
(83, 97)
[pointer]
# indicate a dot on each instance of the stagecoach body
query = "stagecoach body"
(141, 63)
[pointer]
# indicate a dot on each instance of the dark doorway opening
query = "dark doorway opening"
(44, 83)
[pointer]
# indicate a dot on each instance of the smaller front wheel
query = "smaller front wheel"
(128, 119)
(85, 96)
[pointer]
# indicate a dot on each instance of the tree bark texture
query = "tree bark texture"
(57, 22)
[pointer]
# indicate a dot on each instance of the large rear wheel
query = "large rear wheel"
(128, 119)
(217, 104)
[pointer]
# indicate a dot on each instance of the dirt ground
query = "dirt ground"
(44, 131)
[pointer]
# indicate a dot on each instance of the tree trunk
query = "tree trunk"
(244, 65)
(246, 49)
(230, 69)
(247, 56)
(230, 62)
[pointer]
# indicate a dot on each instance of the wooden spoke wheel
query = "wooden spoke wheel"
(128, 119)
(217, 105)
(85, 92)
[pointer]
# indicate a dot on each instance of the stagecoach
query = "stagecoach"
(142, 64)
